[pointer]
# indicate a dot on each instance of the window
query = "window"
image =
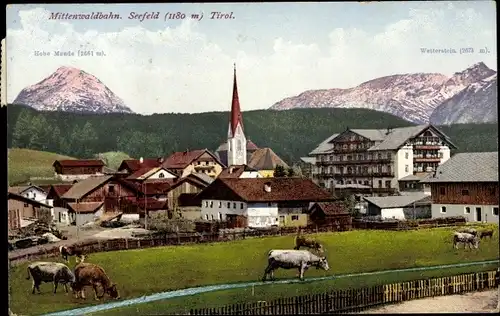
(161, 175)
(269, 204)
(467, 210)
(495, 211)
(212, 216)
(211, 204)
(34, 195)
(380, 184)
(407, 155)
(228, 204)
(241, 205)
(442, 191)
(26, 204)
(220, 216)
(388, 183)
(206, 203)
(465, 192)
(443, 209)
(206, 217)
(220, 204)
(295, 217)
(111, 189)
(407, 168)
(441, 154)
(234, 205)
(366, 183)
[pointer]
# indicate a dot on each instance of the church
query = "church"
(240, 151)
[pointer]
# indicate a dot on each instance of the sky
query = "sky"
(280, 49)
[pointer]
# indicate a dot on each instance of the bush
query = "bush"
(161, 222)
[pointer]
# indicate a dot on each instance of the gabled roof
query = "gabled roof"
(467, 167)
(18, 197)
(399, 200)
(135, 164)
(84, 187)
(250, 146)
(205, 179)
(144, 173)
(85, 208)
(265, 159)
(182, 159)
(309, 160)
(58, 190)
(324, 146)
(235, 171)
(80, 163)
(22, 188)
(330, 208)
(253, 190)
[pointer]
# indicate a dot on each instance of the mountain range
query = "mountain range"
(72, 90)
(468, 96)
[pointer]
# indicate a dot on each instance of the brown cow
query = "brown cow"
(486, 233)
(68, 251)
(89, 274)
(301, 241)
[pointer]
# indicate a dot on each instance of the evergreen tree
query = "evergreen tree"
(55, 140)
(279, 171)
(290, 172)
(21, 134)
(88, 138)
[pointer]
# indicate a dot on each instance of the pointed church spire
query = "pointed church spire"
(236, 116)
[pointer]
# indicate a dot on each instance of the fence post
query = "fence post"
(126, 243)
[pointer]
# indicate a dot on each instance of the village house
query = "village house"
(240, 171)
(155, 173)
(54, 198)
(402, 207)
(69, 170)
(378, 158)
(195, 161)
(265, 161)
(189, 206)
(467, 185)
(258, 202)
(413, 183)
(130, 166)
(33, 192)
(22, 211)
(332, 214)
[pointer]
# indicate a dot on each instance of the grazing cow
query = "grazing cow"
(466, 239)
(290, 259)
(471, 231)
(89, 274)
(301, 241)
(68, 251)
(50, 272)
(486, 233)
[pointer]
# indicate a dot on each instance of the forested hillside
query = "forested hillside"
(291, 134)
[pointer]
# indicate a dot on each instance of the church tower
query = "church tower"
(236, 140)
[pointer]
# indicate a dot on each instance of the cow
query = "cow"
(471, 231)
(55, 272)
(486, 233)
(301, 241)
(290, 259)
(89, 274)
(466, 239)
(68, 251)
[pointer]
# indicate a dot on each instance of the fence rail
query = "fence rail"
(92, 246)
(356, 300)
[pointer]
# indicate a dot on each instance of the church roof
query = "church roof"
(236, 116)
(250, 146)
(265, 159)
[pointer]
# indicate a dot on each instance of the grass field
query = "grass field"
(25, 163)
(153, 270)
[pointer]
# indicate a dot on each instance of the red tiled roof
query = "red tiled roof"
(332, 208)
(80, 163)
(251, 145)
(135, 164)
(139, 172)
(181, 159)
(86, 207)
(253, 190)
(152, 187)
(60, 189)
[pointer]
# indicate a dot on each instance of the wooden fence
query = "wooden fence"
(356, 300)
(408, 224)
(92, 246)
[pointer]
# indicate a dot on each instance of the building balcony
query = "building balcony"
(203, 167)
(341, 175)
(426, 147)
(434, 159)
(323, 163)
(362, 162)
(349, 150)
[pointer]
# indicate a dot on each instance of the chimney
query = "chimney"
(267, 187)
(141, 160)
(231, 170)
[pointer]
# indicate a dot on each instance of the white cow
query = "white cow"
(290, 259)
(55, 272)
(466, 239)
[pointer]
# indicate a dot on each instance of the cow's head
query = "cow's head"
(323, 264)
(113, 291)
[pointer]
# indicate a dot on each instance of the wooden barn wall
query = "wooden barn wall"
(478, 193)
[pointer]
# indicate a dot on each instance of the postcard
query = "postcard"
(272, 158)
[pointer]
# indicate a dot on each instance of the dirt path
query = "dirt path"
(477, 302)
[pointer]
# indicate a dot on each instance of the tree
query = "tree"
(88, 139)
(161, 222)
(279, 172)
(297, 171)
(290, 172)
(55, 140)
(21, 134)
(350, 206)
